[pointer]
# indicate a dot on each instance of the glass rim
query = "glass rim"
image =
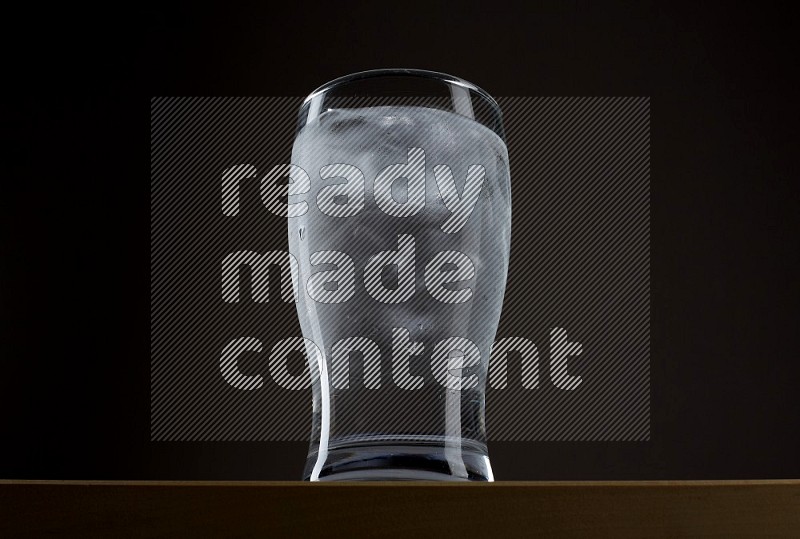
(401, 72)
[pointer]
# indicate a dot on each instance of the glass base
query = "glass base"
(399, 460)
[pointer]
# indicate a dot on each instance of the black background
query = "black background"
(74, 213)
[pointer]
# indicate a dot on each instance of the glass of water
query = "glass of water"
(399, 231)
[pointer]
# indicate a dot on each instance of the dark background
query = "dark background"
(74, 213)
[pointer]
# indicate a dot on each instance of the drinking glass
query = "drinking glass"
(399, 231)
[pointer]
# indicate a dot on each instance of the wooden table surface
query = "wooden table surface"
(412, 509)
